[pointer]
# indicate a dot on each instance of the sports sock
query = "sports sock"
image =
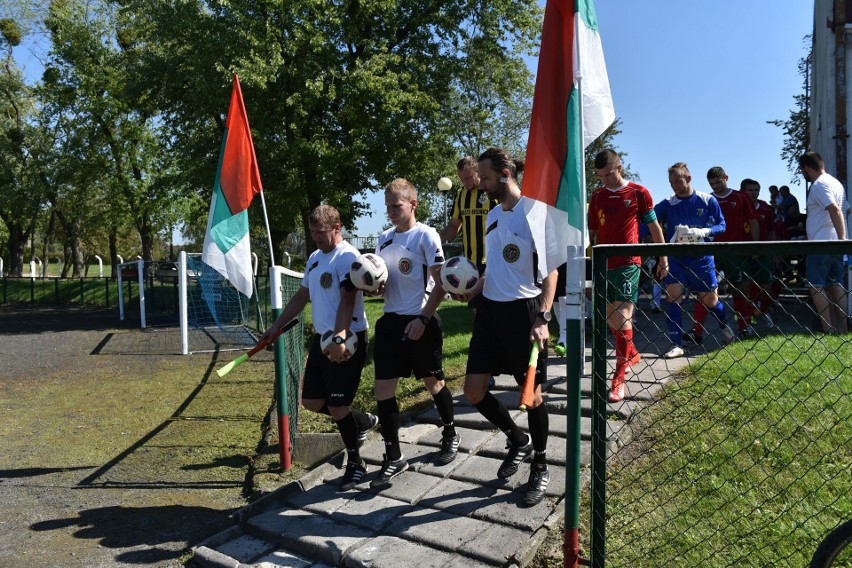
(719, 313)
(700, 316)
(674, 319)
(539, 421)
(389, 418)
(444, 404)
(495, 412)
(349, 432)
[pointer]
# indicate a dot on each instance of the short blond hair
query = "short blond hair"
(403, 188)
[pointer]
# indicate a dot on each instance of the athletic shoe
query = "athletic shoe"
(727, 335)
(675, 352)
(616, 391)
(449, 449)
(560, 348)
(362, 434)
(537, 485)
(354, 472)
(516, 456)
(747, 333)
(692, 337)
(390, 469)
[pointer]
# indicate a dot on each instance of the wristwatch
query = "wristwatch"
(544, 315)
(423, 319)
(338, 340)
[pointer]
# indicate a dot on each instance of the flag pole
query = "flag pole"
(575, 289)
(268, 232)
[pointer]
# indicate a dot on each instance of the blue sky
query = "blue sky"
(696, 81)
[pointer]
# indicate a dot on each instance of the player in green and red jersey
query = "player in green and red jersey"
(615, 213)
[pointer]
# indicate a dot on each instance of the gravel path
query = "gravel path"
(114, 453)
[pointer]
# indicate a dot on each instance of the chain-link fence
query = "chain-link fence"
(737, 448)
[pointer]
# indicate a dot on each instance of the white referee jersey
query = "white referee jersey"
(324, 274)
(408, 257)
(510, 272)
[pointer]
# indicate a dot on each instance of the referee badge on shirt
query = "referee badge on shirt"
(325, 280)
(511, 253)
(405, 266)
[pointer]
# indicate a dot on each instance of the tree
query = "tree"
(796, 128)
(113, 154)
(342, 96)
(22, 193)
(605, 140)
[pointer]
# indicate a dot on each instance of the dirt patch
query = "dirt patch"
(117, 451)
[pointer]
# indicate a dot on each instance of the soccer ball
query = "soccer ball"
(459, 275)
(368, 272)
(351, 342)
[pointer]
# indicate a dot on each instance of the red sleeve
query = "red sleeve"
(646, 203)
(591, 213)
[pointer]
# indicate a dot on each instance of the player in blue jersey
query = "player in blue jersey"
(690, 216)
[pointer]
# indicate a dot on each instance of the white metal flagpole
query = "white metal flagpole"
(268, 233)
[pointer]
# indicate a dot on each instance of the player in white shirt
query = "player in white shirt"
(512, 313)
(825, 222)
(409, 335)
(331, 381)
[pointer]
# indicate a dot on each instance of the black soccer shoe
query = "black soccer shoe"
(390, 469)
(516, 456)
(537, 486)
(355, 470)
(362, 434)
(449, 449)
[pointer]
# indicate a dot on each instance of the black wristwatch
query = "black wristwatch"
(544, 315)
(338, 340)
(423, 319)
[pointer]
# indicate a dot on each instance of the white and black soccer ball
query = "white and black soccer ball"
(368, 272)
(459, 275)
(351, 342)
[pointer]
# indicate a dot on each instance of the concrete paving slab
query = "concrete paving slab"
(393, 552)
(371, 511)
(471, 439)
(303, 532)
(488, 504)
(284, 559)
(482, 540)
(325, 498)
(246, 548)
(409, 487)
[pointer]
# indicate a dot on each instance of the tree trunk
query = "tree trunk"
(113, 252)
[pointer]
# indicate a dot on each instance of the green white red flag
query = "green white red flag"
(571, 73)
(226, 243)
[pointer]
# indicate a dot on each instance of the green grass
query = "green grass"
(747, 461)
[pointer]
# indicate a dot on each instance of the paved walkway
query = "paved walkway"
(457, 515)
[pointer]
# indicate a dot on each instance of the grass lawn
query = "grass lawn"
(747, 461)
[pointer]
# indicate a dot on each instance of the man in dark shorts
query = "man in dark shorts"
(513, 312)
(332, 377)
(409, 335)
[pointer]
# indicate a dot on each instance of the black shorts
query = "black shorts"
(397, 358)
(501, 339)
(336, 383)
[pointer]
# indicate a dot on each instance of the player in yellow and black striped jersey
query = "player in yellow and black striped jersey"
(470, 208)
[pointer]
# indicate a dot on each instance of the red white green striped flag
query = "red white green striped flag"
(553, 173)
(226, 244)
